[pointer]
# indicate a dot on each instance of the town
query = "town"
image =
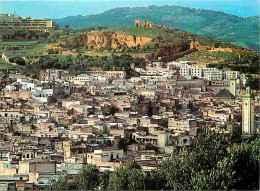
(53, 125)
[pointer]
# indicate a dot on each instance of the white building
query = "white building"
(228, 74)
(185, 72)
(41, 95)
(197, 72)
(214, 75)
(248, 114)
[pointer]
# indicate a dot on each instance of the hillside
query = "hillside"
(229, 28)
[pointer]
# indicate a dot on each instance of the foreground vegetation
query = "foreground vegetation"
(214, 164)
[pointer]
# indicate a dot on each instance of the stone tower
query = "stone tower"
(233, 84)
(146, 23)
(248, 114)
(194, 44)
(138, 23)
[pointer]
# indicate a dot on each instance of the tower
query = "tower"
(233, 84)
(146, 24)
(248, 114)
(194, 44)
(138, 23)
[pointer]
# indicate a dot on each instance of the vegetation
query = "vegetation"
(80, 64)
(5, 65)
(23, 35)
(248, 64)
(253, 82)
(214, 164)
(244, 63)
(213, 24)
(165, 44)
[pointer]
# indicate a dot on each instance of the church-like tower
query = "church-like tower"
(248, 114)
(233, 84)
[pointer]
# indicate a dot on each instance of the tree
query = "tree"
(129, 177)
(88, 178)
(104, 182)
(63, 184)
(215, 164)
(253, 82)
(67, 26)
(118, 180)
(156, 180)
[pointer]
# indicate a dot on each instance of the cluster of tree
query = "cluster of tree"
(87, 29)
(24, 34)
(253, 82)
(248, 64)
(18, 60)
(80, 64)
(214, 164)
(115, 63)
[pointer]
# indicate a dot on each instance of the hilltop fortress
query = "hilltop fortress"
(147, 24)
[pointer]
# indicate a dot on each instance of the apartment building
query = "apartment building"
(19, 23)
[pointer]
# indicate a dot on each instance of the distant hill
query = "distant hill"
(219, 25)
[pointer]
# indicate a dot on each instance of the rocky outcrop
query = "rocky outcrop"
(105, 40)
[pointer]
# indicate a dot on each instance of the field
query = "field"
(139, 31)
(22, 48)
(5, 65)
(18, 43)
(208, 57)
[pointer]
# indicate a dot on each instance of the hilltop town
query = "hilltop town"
(134, 102)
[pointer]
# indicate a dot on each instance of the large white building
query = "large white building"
(229, 74)
(197, 72)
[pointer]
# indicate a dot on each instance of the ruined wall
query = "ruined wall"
(147, 24)
(104, 40)
(138, 23)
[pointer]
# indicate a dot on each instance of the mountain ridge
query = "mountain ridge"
(215, 24)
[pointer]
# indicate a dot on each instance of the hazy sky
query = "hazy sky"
(62, 8)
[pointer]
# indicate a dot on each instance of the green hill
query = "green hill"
(219, 25)
(171, 34)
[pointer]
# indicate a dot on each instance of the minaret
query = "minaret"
(233, 84)
(248, 114)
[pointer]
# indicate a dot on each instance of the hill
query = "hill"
(152, 43)
(219, 25)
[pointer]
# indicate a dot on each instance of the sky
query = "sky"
(63, 8)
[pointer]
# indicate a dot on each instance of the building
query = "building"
(18, 23)
(225, 95)
(231, 74)
(197, 72)
(233, 85)
(108, 74)
(185, 72)
(50, 75)
(214, 75)
(248, 114)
